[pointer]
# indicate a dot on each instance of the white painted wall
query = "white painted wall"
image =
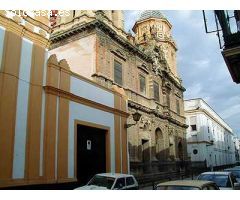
(22, 110)
(80, 54)
(89, 91)
(2, 35)
(209, 127)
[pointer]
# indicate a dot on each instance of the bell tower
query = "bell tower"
(153, 26)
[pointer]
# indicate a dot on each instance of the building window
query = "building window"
(195, 151)
(117, 72)
(178, 107)
(156, 91)
(193, 123)
(158, 135)
(142, 84)
(168, 100)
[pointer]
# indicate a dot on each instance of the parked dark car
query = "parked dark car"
(224, 180)
(235, 171)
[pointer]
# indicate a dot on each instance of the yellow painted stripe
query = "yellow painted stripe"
(50, 126)
(62, 146)
(34, 114)
(124, 146)
(12, 49)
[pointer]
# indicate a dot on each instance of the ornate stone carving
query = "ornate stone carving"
(145, 123)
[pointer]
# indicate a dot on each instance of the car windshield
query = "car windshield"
(102, 181)
(219, 179)
(177, 187)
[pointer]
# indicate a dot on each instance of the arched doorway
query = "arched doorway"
(159, 144)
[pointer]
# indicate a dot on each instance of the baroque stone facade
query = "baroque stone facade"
(93, 41)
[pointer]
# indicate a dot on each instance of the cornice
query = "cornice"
(103, 27)
(99, 25)
(178, 85)
(142, 108)
(75, 98)
(200, 110)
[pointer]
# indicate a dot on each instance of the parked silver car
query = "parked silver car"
(111, 181)
(187, 185)
(224, 180)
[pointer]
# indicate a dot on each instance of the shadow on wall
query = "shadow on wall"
(149, 160)
(176, 150)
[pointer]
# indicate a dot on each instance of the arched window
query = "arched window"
(159, 144)
(158, 135)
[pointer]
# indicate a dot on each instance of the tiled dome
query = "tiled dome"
(150, 14)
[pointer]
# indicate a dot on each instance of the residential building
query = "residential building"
(237, 148)
(209, 138)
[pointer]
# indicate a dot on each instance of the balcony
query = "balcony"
(232, 60)
(228, 31)
(231, 36)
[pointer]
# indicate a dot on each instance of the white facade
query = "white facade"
(237, 148)
(209, 138)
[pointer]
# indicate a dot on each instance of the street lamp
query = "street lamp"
(136, 118)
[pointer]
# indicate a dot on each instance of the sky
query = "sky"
(200, 64)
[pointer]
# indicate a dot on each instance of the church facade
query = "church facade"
(142, 66)
(56, 127)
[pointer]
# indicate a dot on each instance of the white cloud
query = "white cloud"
(185, 14)
(230, 111)
(201, 63)
(134, 13)
(196, 91)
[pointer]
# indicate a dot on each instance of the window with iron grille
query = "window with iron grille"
(156, 91)
(142, 84)
(117, 72)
